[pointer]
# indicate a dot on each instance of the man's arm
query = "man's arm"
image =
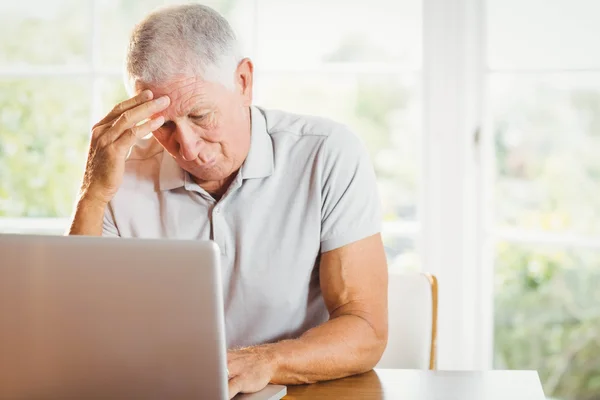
(88, 218)
(110, 142)
(354, 285)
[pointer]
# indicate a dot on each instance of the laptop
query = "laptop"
(109, 318)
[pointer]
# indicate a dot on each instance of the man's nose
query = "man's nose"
(189, 144)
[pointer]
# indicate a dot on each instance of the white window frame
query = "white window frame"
(452, 202)
(459, 233)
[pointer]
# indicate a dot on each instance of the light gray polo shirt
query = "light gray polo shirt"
(306, 187)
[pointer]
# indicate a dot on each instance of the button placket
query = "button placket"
(218, 228)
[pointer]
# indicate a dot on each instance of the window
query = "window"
(45, 106)
(543, 85)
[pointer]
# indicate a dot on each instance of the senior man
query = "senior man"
(291, 201)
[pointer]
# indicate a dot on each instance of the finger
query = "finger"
(235, 386)
(120, 108)
(148, 127)
(139, 131)
(132, 117)
(235, 366)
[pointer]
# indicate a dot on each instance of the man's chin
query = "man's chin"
(207, 173)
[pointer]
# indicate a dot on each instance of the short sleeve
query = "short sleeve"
(109, 228)
(350, 204)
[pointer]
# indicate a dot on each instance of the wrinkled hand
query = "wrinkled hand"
(111, 140)
(250, 369)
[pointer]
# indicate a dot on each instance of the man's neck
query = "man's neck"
(216, 188)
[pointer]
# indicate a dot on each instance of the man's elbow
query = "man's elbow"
(374, 346)
(378, 347)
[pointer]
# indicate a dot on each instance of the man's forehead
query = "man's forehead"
(186, 94)
(175, 87)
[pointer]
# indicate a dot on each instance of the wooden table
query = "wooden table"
(426, 385)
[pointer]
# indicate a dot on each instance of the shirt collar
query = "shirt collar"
(258, 163)
(172, 176)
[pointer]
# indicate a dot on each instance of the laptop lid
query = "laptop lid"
(100, 318)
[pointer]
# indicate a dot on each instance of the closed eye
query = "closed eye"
(198, 117)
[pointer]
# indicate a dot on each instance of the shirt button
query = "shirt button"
(217, 210)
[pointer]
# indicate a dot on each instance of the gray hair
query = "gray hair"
(189, 39)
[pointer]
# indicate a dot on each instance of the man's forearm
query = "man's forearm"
(342, 346)
(88, 218)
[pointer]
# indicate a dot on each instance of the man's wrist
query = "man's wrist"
(88, 217)
(275, 355)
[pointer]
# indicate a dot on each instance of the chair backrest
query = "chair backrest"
(412, 308)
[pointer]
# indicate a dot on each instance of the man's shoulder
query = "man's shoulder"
(335, 141)
(280, 122)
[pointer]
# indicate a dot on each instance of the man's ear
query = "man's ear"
(244, 77)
